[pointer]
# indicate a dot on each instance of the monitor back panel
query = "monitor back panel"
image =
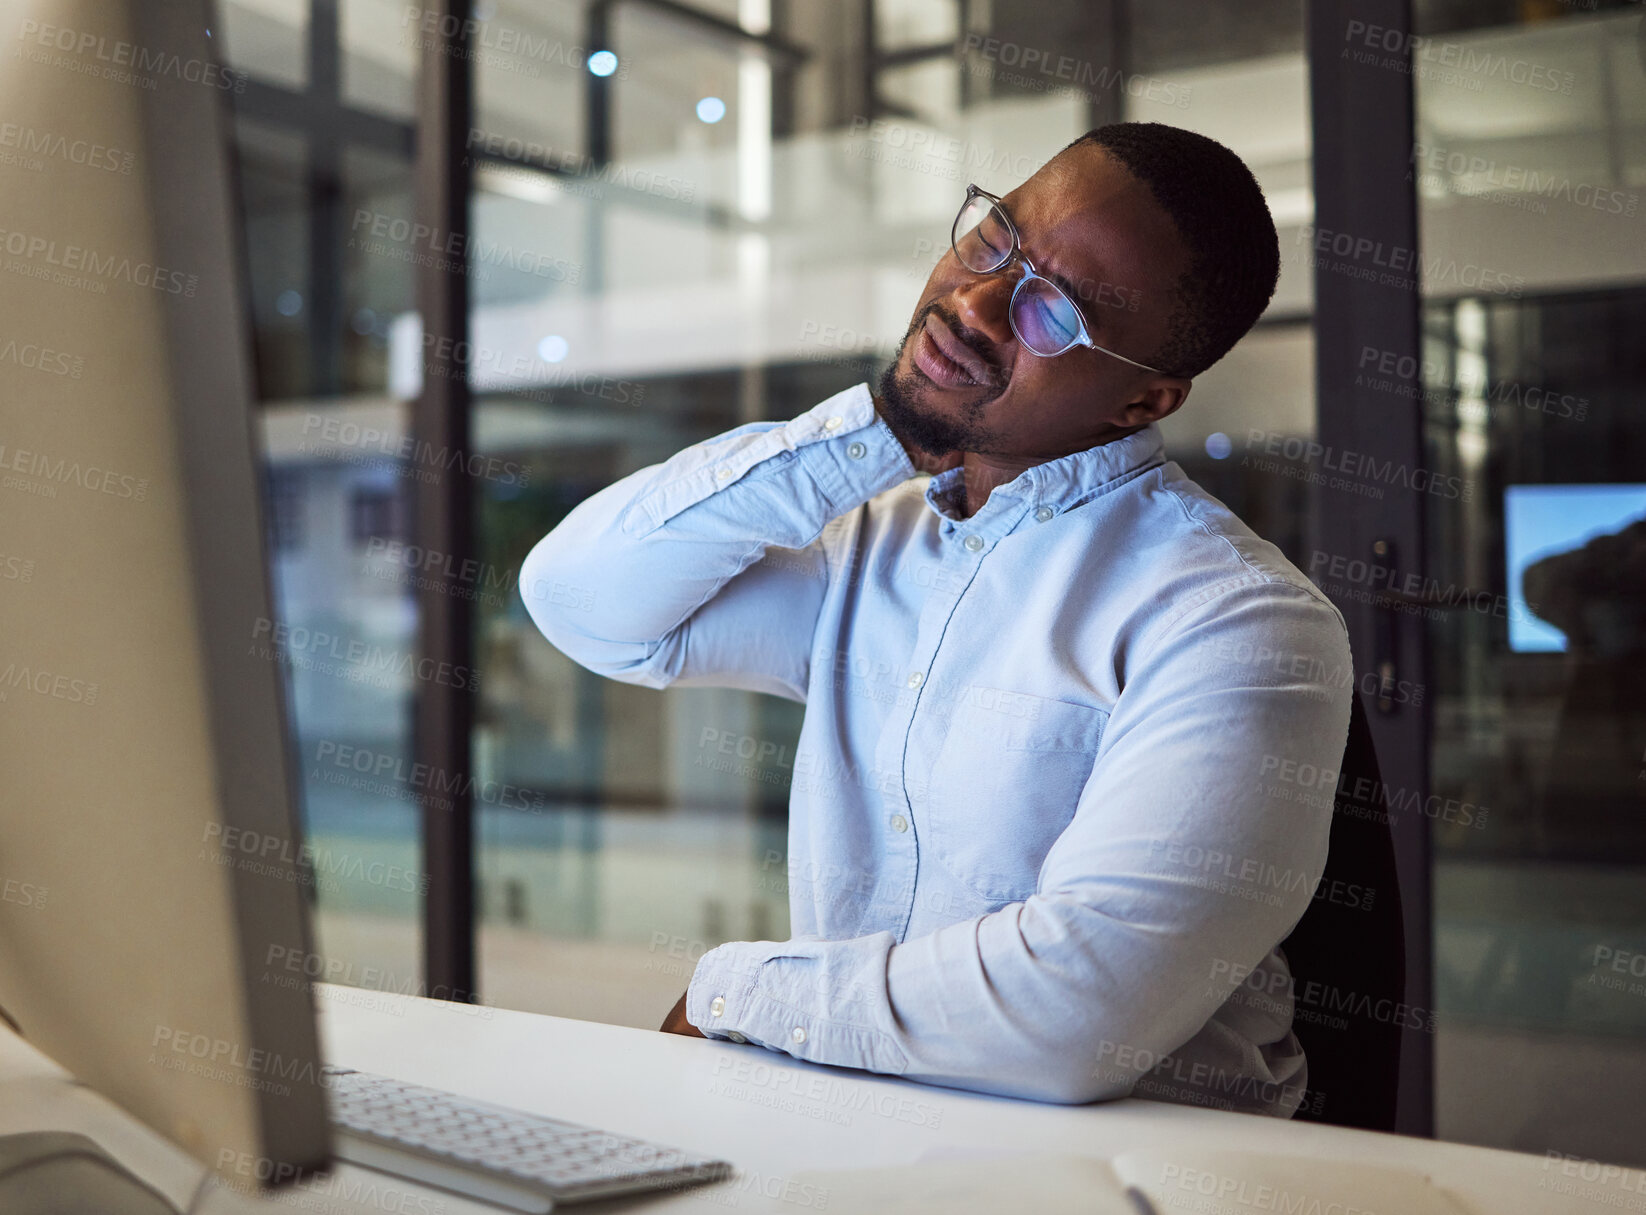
(141, 732)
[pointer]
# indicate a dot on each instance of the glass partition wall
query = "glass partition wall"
(1529, 163)
(323, 149)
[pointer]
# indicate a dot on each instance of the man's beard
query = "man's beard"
(922, 425)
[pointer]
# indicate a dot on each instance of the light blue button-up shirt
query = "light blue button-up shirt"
(1065, 776)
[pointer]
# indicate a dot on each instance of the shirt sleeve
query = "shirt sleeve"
(707, 568)
(1214, 775)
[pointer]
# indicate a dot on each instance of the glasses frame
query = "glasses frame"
(1084, 337)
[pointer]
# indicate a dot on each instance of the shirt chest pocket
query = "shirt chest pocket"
(1004, 785)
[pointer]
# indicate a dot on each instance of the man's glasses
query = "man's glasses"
(1045, 319)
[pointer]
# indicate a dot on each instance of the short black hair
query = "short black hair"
(1218, 209)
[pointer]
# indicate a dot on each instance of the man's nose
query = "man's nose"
(983, 302)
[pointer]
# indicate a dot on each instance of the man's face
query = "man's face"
(961, 381)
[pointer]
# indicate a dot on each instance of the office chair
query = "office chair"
(1348, 961)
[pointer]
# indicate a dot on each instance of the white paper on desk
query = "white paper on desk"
(1238, 1183)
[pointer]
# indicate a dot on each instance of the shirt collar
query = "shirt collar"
(1056, 485)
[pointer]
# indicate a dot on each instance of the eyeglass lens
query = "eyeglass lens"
(1044, 319)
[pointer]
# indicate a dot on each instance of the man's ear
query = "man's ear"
(1163, 396)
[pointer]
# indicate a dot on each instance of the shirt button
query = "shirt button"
(798, 1033)
(899, 823)
(736, 1037)
(717, 1006)
(857, 451)
(974, 542)
(722, 473)
(916, 679)
(832, 424)
(1042, 513)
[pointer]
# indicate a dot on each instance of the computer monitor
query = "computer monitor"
(1542, 520)
(142, 736)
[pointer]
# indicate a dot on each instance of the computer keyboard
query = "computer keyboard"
(504, 1156)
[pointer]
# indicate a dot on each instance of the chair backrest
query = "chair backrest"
(1348, 956)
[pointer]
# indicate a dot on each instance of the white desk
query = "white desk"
(771, 1116)
(686, 1092)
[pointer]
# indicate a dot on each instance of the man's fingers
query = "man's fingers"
(676, 1016)
(676, 1023)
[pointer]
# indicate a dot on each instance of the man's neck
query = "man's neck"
(979, 474)
(978, 477)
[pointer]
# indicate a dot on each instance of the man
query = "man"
(1045, 819)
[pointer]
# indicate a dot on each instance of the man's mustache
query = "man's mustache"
(970, 338)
